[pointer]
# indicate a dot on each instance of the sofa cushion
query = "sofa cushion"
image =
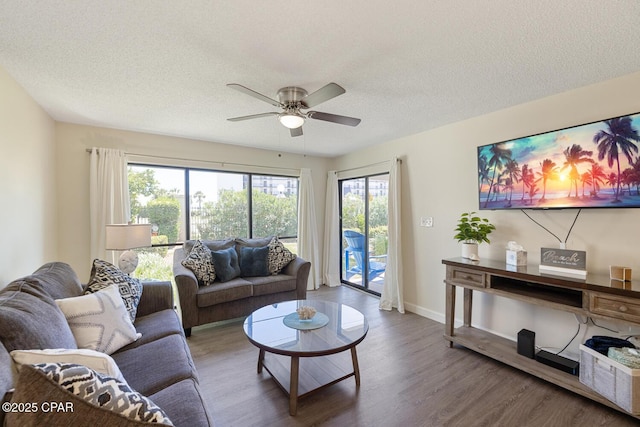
(96, 360)
(184, 394)
(279, 256)
(99, 321)
(104, 274)
(155, 326)
(88, 397)
(254, 261)
(272, 284)
(225, 264)
(214, 245)
(7, 373)
(153, 366)
(199, 261)
(58, 280)
(30, 319)
(232, 290)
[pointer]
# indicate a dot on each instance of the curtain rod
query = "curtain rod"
(90, 150)
(368, 166)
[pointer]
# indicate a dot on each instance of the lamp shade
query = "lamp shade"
(291, 120)
(121, 237)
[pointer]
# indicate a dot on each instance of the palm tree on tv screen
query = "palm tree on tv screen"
(499, 155)
(598, 177)
(513, 171)
(528, 179)
(618, 138)
(575, 155)
(549, 171)
(483, 171)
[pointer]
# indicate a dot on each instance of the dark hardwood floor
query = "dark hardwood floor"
(409, 378)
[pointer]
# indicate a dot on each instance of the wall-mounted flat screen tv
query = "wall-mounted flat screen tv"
(595, 165)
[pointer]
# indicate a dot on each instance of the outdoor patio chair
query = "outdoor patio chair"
(359, 249)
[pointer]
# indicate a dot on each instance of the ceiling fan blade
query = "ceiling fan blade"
(323, 94)
(334, 118)
(296, 131)
(255, 94)
(253, 116)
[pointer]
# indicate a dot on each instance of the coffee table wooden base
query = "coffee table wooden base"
(304, 361)
(299, 377)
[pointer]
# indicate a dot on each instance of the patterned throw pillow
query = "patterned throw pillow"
(199, 261)
(99, 321)
(104, 392)
(104, 274)
(99, 362)
(279, 256)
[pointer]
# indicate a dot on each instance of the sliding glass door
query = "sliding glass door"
(363, 225)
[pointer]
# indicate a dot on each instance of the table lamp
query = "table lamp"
(124, 237)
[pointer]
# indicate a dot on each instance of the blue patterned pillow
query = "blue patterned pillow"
(104, 392)
(225, 262)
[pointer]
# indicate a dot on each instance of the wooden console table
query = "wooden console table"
(597, 297)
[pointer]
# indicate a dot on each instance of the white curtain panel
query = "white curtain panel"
(331, 257)
(108, 196)
(392, 292)
(307, 229)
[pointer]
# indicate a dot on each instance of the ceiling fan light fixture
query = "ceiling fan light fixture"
(291, 120)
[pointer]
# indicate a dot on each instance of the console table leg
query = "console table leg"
(450, 309)
(293, 385)
(468, 299)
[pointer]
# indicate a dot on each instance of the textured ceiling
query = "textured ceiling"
(407, 66)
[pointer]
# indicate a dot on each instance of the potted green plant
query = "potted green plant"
(471, 231)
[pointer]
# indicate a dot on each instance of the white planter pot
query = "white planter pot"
(470, 251)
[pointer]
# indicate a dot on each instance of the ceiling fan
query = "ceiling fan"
(292, 100)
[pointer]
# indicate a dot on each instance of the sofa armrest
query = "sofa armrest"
(299, 268)
(187, 286)
(156, 296)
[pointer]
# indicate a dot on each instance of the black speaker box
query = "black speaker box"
(527, 343)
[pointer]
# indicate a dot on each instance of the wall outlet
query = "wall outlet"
(426, 221)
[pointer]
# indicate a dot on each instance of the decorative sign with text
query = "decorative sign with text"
(563, 262)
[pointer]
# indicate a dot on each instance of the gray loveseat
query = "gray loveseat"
(239, 296)
(158, 365)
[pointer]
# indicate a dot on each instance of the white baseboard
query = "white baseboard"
(439, 317)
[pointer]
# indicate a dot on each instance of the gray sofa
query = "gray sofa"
(239, 296)
(158, 365)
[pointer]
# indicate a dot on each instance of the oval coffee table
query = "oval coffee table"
(313, 349)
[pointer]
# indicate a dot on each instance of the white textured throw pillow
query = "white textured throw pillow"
(99, 321)
(99, 362)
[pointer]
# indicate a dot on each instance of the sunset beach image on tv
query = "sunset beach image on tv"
(595, 165)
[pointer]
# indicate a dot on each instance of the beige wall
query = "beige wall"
(440, 180)
(27, 183)
(73, 174)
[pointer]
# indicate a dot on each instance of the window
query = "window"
(185, 203)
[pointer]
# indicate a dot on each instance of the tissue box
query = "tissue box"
(516, 257)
